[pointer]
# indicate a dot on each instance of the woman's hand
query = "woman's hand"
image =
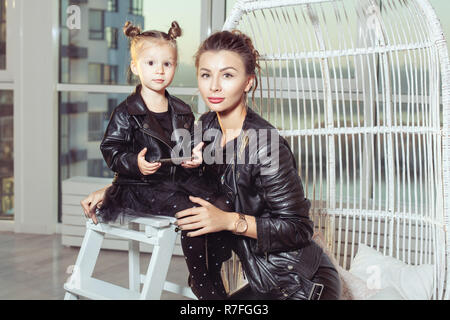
(197, 153)
(207, 219)
(147, 168)
(92, 202)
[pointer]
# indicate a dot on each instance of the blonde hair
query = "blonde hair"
(137, 37)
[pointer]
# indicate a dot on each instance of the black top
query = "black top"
(165, 121)
(220, 165)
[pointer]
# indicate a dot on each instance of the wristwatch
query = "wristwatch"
(241, 225)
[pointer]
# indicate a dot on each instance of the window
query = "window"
(81, 131)
(6, 155)
(112, 37)
(95, 126)
(95, 73)
(109, 48)
(98, 168)
(109, 74)
(105, 61)
(112, 103)
(136, 7)
(102, 74)
(96, 24)
(2, 34)
(113, 5)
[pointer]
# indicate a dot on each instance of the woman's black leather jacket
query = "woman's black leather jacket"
(266, 184)
(132, 128)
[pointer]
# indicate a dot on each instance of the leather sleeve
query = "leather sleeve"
(287, 225)
(116, 146)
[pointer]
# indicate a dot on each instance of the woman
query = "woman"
(271, 225)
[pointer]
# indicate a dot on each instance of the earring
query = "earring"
(246, 99)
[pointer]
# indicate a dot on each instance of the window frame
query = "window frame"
(7, 74)
(7, 84)
(212, 17)
(102, 28)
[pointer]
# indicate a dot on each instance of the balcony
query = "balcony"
(74, 52)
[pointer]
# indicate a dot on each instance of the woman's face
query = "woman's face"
(222, 80)
(155, 65)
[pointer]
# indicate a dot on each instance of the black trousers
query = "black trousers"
(204, 257)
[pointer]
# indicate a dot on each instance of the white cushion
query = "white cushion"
(354, 288)
(380, 272)
(388, 293)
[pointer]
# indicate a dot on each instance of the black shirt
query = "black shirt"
(165, 121)
(220, 165)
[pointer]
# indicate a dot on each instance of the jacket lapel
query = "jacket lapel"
(136, 107)
(152, 126)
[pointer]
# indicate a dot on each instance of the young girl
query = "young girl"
(140, 135)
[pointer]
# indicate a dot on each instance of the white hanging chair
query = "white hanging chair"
(361, 90)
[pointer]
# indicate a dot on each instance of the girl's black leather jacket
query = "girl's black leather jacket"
(132, 128)
(283, 259)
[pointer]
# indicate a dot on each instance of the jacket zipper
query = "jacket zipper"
(149, 134)
(173, 169)
(233, 161)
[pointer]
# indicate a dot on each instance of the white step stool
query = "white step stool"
(158, 231)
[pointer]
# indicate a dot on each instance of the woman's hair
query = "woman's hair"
(237, 42)
(136, 36)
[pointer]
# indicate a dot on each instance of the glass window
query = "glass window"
(95, 126)
(113, 5)
(110, 75)
(99, 168)
(6, 155)
(136, 7)
(95, 73)
(111, 37)
(102, 74)
(186, 13)
(96, 24)
(83, 120)
(2, 34)
(111, 47)
(84, 116)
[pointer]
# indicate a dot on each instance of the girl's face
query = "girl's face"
(222, 80)
(155, 65)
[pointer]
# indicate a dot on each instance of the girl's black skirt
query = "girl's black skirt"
(165, 198)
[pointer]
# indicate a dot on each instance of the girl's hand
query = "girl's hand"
(145, 167)
(207, 218)
(197, 153)
(92, 202)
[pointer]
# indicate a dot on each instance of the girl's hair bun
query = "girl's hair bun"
(174, 31)
(131, 30)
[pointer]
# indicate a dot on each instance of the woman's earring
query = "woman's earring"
(246, 99)
(194, 96)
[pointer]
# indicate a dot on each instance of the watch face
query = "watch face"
(241, 226)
